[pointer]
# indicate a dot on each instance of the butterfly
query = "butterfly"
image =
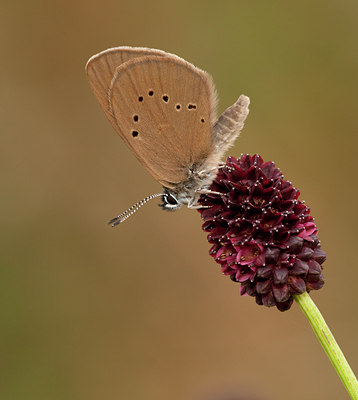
(164, 109)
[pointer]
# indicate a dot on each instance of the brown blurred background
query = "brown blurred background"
(142, 311)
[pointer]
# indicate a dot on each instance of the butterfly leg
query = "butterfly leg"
(197, 207)
(207, 172)
(194, 205)
(208, 191)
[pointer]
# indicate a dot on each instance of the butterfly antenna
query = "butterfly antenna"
(135, 207)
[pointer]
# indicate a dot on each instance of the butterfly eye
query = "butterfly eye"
(170, 200)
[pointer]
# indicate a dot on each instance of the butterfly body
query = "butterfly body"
(188, 191)
(164, 109)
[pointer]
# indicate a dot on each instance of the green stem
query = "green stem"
(328, 343)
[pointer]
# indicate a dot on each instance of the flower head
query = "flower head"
(261, 234)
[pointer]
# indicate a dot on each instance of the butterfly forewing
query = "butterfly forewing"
(162, 107)
(101, 68)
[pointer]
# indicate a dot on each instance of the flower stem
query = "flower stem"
(328, 343)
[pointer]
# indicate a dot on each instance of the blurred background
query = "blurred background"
(142, 311)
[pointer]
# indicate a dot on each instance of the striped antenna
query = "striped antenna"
(135, 207)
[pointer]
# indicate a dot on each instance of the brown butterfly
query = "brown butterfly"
(164, 109)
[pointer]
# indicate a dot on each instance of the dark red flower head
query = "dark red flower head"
(262, 235)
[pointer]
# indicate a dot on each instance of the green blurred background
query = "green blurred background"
(142, 311)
